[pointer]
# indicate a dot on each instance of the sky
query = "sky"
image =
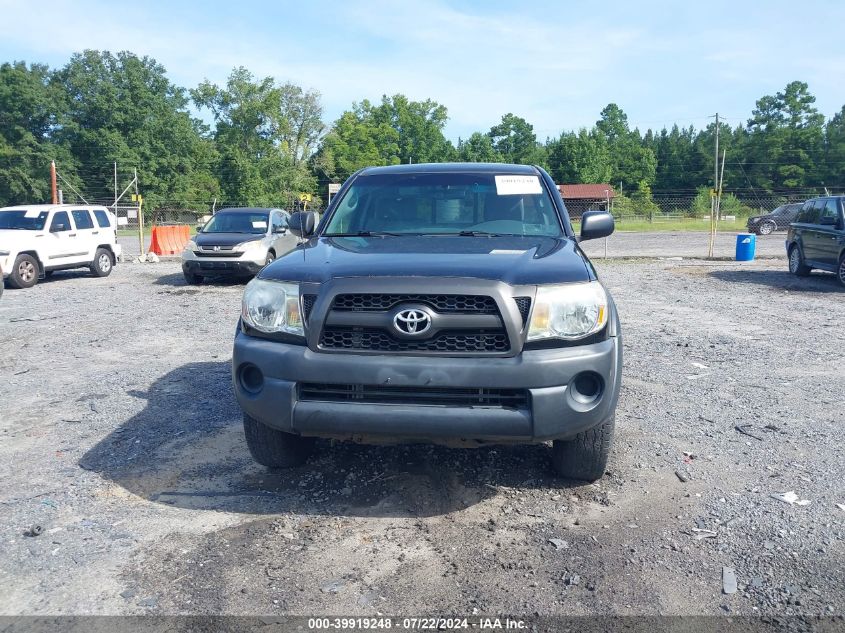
(556, 64)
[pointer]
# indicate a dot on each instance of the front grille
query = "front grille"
(474, 304)
(389, 394)
(308, 302)
(221, 253)
(338, 337)
(523, 304)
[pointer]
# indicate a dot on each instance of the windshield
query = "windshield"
(223, 222)
(23, 220)
(446, 204)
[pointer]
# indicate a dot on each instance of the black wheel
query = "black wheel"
(840, 271)
(103, 263)
(585, 455)
(796, 262)
(767, 228)
(271, 257)
(273, 448)
(192, 279)
(25, 272)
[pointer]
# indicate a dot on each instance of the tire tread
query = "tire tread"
(273, 448)
(584, 456)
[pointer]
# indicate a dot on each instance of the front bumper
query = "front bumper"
(547, 375)
(218, 266)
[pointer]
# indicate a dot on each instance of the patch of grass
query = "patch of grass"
(691, 225)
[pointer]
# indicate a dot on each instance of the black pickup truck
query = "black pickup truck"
(444, 303)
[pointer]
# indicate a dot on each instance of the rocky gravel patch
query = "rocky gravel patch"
(126, 486)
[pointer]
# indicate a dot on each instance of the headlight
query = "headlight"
(272, 306)
(570, 311)
(248, 246)
(191, 245)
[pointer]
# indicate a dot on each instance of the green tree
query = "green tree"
(28, 111)
(786, 136)
(835, 149)
(515, 141)
(579, 158)
(478, 148)
(631, 161)
(395, 131)
(264, 134)
(123, 108)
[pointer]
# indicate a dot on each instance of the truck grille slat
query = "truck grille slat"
(523, 304)
(337, 337)
(349, 334)
(477, 304)
(388, 394)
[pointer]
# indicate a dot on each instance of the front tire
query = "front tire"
(840, 274)
(271, 257)
(276, 449)
(584, 456)
(102, 264)
(796, 262)
(25, 272)
(766, 228)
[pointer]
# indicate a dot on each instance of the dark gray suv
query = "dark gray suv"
(817, 238)
(447, 303)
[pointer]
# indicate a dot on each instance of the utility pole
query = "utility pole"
(140, 216)
(53, 192)
(115, 189)
(714, 193)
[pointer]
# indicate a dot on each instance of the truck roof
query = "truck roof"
(428, 168)
(49, 207)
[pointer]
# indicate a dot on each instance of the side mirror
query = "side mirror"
(596, 224)
(302, 223)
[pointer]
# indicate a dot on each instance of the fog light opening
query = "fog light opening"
(587, 387)
(252, 380)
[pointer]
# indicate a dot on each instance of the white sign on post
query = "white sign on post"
(334, 187)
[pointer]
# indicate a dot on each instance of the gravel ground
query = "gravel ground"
(122, 440)
(629, 244)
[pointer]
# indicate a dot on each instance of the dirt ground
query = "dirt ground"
(122, 440)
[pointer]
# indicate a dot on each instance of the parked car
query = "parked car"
(817, 238)
(777, 220)
(36, 240)
(237, 242)
(448, 303)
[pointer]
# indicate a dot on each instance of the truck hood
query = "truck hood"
(515, 260)
(225, 239)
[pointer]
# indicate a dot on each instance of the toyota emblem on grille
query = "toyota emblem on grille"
(412, 321)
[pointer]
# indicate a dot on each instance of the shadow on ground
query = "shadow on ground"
(186, 448)
(178, 279)
(781, 280)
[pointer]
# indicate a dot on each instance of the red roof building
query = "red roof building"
(586, 192)
(580, 198)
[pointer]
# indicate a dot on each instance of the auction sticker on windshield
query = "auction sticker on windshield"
(517, 185)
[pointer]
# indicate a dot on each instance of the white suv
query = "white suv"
(36, 240)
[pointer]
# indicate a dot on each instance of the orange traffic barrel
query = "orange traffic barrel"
(169, 240)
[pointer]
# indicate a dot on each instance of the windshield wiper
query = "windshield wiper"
(479, 234)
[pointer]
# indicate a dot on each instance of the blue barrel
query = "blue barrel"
(746, 245)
